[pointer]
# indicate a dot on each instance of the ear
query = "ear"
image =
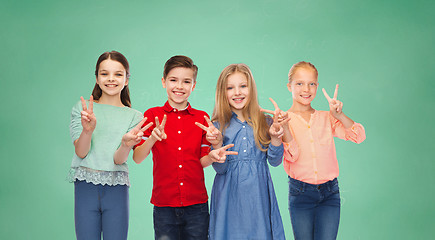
(289, 86)
(163, 82)
(126, 81)
(194, 85)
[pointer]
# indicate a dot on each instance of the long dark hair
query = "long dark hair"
(115, 56)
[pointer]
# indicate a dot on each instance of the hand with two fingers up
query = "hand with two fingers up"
(134, 136)
(89, 121)
(279, 127)
(335, 106)
(214, 136)
(220, 155)
(158, 132)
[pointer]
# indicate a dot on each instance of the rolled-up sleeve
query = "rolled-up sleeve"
(291, 151)
(75, 126)
(356, 133)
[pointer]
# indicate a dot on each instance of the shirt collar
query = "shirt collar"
(168, 108)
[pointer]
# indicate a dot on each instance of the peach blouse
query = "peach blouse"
(310, 157)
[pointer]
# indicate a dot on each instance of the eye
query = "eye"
(313, 84)
(187, 81)
(103, 74)
(299, 84)
(229, 88)
(244, 86)
(119, 75)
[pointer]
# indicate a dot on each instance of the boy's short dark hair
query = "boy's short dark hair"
(180, 61)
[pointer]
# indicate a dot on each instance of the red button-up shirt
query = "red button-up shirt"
(178, 176)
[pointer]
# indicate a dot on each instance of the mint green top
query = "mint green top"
(112, 123)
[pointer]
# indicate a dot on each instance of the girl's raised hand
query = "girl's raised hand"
(89, 121)
(159, 131)
(335, 106)
(134, 136)
(220, 155)
(214, 136)
(278, 115)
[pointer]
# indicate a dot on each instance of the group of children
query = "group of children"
(237, 141)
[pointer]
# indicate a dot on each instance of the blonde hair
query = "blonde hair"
(302, 64)
(251, 112)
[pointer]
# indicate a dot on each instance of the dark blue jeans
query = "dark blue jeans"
(176, 223)
(314, 210)
(100, 209)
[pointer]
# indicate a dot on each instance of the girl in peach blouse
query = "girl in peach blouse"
(309, 155)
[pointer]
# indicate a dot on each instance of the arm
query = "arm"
(130, 139)
(158, 134)
(89, 122)
(217, 156)
(352, 131)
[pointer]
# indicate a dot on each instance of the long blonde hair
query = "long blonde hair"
(251, 112)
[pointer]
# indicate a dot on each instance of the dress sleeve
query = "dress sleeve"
(75, 126)
(274, 154)
(356, 133)
(221, 168)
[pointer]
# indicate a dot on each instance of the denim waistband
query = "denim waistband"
(303, 185)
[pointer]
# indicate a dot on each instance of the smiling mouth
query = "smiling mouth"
(306, 96)
(238, 100)
(111, 85)
(179, 93)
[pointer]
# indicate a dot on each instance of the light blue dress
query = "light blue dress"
(243, 201)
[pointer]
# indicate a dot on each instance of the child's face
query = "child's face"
(237, 91)
(111, 77)
(303, 86)
(179, 83)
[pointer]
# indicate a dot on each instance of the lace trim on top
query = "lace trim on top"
(110, 178)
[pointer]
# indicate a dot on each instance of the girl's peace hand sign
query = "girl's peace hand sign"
(134, 136)
(159, 131)
(220, 155)
(214, 136)
(335, 106)
(280, 120)
(89, 121)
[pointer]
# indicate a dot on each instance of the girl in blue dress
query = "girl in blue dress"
(243, 201)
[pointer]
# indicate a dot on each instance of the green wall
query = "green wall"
(380, 52)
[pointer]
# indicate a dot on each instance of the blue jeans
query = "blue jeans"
(174, 223)
(100, 209)
(314, 209)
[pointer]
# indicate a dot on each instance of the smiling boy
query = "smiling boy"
(180, 152)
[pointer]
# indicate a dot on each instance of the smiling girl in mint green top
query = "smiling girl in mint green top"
(103, 131)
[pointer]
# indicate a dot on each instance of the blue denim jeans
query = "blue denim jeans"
(100, 209)
(314, 209)
(174, 223)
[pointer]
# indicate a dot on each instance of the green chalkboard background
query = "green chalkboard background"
(380, 52)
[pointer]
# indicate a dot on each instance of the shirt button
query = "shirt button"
(244, 138)
(243, 126)
(180, 166)
(311, 140)
(179, 132)
(315, 172)
(309, 126)
(179, 148)
(181, 184)
(179, 117)
(244, 150)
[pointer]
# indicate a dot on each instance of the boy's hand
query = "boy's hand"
(220, 155)
(159, 131)
(89, 121)
(335, 106)
(134, 136)
(214, 136)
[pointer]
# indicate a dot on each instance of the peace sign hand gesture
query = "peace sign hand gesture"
(89, 121)
(220, 155)
(214, 136)
(280, 120)
(335, 106)
(159, 131)
(134, 136)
